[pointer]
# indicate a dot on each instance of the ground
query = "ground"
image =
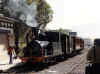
(73, 65)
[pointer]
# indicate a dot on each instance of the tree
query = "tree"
(44, 14)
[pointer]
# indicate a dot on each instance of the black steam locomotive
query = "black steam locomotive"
(50, 45)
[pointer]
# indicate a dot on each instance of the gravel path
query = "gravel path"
(75, 65)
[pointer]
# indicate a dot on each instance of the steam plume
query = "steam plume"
(21, 10)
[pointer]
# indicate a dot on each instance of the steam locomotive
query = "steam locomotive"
(51, 45)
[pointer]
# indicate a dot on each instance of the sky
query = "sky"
(82, 16)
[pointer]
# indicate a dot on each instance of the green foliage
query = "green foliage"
(45, 13)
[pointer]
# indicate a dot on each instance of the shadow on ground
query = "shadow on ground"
(27, 68)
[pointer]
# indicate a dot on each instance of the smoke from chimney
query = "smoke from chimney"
(22, 10)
